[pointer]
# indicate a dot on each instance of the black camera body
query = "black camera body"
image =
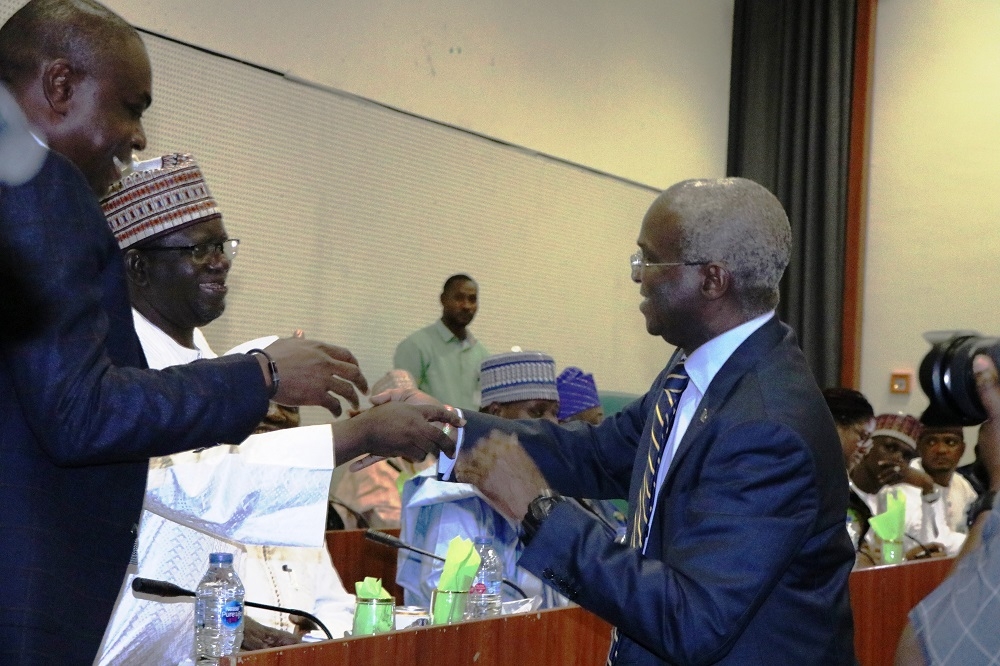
(947, 379)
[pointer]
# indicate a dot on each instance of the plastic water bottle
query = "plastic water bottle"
(218, 611)
(484, 595)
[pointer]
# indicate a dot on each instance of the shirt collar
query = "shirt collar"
(448, 336)
(703, 364)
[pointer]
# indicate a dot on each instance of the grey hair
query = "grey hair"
(739, 223)
(84, 32)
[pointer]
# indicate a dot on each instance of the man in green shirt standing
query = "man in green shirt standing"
(444, 357)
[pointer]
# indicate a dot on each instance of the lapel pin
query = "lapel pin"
(704, 415)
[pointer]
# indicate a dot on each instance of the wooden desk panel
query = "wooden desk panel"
(570, 636)
(881, 598)
(355, 557)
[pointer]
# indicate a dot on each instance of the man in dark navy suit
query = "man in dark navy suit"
(79, 413)
(736, 551)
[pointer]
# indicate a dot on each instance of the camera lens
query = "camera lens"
(947, 379)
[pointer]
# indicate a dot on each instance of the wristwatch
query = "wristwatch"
(538, 511)
(983, 503)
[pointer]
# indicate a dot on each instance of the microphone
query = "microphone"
(399, 544)
(161, 588)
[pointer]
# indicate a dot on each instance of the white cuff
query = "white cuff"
(446, 465)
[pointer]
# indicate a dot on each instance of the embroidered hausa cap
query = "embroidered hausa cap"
(577, 392)
(518, 375)
(903, 427)
(157, 197)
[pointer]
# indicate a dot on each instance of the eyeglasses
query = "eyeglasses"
(202, 251)
(639, 264)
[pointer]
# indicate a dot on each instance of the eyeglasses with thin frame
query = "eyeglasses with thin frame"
(639, 264)
(202, 251)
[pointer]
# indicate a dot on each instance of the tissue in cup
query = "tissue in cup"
(448, 607)
(374, 616)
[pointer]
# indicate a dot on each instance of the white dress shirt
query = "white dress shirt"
(702, 366)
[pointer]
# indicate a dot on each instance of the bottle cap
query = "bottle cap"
(220, 558)
(483, 540)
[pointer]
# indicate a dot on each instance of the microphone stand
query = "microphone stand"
(160, 588)
(399, 544)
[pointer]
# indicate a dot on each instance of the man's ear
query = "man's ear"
(716, 281)
(492, 408)
(137, 268)
(59, 81)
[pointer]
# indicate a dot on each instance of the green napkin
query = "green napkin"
(889, 526)
(370, 588)
(374, 612)
(461, 563)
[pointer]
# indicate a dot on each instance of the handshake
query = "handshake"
(307, 372)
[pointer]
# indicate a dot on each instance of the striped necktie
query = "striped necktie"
(664, 412)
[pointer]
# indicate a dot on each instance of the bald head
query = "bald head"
(82, 31)
(739, 223)
(81, 74)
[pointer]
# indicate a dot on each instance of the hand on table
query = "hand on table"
(303, 625)
(256, 636)
(933, 549)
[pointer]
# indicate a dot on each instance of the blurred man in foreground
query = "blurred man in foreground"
(956, 624)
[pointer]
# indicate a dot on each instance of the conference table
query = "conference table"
(881, 597)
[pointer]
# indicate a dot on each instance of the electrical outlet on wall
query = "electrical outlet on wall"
(901, 382)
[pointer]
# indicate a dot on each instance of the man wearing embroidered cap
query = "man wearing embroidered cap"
(520, 385)
(515, 385)
(892, 464)
(578, 397)
(79, 412)
(177, 251)
(177, 257)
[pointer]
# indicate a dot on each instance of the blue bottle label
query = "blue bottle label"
(232, 613)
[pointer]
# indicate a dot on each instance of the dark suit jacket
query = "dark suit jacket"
(79, 418)
(748, 559)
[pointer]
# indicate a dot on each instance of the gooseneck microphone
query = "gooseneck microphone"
(161, 588)
(399, 544)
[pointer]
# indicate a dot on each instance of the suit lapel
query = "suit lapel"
(735, 368)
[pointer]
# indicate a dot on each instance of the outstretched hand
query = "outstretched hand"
(312, 373)
(409, 396)
(396, 429)
(500, 467)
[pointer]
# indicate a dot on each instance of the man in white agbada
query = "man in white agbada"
(263, 501)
